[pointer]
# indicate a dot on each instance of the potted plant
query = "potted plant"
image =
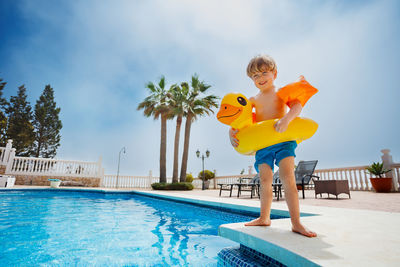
(55, 183)
(207, 176)
(380, 184)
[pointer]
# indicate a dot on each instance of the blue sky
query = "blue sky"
(98, 56)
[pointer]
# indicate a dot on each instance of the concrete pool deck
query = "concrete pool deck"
(354, 236)
(361, 231)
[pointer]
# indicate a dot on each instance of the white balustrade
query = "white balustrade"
(53, 167)
(396, 175)
(125, 181)
(357, 176)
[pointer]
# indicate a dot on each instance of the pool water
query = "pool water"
(85, 228)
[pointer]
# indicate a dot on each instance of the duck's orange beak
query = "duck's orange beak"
(228, 113)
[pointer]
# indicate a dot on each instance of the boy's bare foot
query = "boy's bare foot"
(259, 222)
(300, 229)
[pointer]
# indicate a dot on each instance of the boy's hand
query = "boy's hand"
(233, 138)
(281, 125)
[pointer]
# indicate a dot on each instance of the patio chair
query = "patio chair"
(304, 173)
(255, 187)
(277, 185)
(252, 186)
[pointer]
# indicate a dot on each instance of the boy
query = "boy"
(271, 105)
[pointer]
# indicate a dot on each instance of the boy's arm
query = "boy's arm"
(295, 110)
(233, 138)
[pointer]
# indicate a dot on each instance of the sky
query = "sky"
(98, 55)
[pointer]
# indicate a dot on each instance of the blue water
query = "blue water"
(53, 228)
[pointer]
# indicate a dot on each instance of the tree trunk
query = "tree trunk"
(176, 149)
(186, 148)
(163, 149)
(39, 144)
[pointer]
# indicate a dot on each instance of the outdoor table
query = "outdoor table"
(334, 187)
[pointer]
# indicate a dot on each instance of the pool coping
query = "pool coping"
(345, 236)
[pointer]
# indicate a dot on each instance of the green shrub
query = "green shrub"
(189, 178)
(208, 175)
(172, 186)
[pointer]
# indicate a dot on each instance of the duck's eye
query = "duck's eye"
(242, 101)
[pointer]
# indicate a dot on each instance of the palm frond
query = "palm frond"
(161, 83)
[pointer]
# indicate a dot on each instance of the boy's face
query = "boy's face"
(264, 80)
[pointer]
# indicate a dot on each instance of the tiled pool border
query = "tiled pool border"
(266, 248)
(246, 257)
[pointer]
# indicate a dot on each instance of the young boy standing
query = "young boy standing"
(269, 105)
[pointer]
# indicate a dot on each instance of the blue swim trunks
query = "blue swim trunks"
(275, 152)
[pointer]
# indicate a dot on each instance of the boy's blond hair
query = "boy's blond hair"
(261, 63)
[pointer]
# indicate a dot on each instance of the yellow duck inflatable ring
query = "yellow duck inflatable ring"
(236, 111)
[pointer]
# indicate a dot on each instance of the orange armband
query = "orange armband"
(300, 90)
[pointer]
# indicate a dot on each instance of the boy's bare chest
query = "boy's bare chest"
(269, 106)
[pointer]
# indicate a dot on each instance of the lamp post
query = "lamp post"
(119, 159)
(202, 158)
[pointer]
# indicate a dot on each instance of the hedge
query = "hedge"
(172, 186)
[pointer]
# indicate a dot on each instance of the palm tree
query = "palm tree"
(195, 106)
(156, 105)
(178, 95)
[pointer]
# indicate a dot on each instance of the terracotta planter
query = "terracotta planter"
(381, 185)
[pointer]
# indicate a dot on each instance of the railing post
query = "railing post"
(387, 164)
(99, 169)
(250, 170)
(10, 161)
(215, 179)
(102, 178)
(150, 179)
(7, 151)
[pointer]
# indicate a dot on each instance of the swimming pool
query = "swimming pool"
(56, 227)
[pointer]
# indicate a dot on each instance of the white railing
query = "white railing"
(396, 173)
(127, 181)
(54, 167)
(110, 181)
(358, 176)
